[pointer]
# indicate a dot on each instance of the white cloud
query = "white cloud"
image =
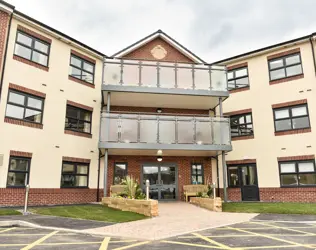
(212, 29)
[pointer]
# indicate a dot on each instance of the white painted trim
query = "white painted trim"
(6, 8)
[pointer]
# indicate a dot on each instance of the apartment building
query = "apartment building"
(272, 114)
(50, 113)
(75, 121)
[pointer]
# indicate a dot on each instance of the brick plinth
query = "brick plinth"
(47, 196)
(277, 194)
(134, 165)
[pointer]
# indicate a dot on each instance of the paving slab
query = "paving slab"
(174, 219)
(58, 222)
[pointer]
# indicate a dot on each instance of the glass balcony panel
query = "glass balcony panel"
(167, 132)
(131, 74)
(202, 79)
(129, 128)
(114, 124)
(112, 74)
(185, 130)
(185, 80)
(149, 75)
(203, 131)
(167, 77)
(148, 129)
(221, 131)
(219, 81)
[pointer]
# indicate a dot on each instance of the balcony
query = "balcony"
(139, 134)
(180, 83)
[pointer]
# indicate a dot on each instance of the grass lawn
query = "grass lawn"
(8, 211)
(89, 212)
(271, 208)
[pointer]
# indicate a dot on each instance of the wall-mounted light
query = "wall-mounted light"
(159, 152)
(159, 158)
(159, 110)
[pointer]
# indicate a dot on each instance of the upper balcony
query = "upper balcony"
(180, 85)
(187, 135)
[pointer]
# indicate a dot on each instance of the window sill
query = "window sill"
(74, 187)
(23, 123)
(15, 187)
(287, 79)
(71, 132)
(26, 61)
(239, 90)
(246, 137)
(303, 186)
(81, 82)
(292, 132)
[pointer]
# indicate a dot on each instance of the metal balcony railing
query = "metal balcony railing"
(163, 129)
(164, 75)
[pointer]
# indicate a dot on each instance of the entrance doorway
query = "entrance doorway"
(245, 178)
(163, 178)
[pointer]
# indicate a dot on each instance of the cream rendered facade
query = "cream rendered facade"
(50, 144)
(266, 147)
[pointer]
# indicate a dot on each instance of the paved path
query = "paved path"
(174, 219)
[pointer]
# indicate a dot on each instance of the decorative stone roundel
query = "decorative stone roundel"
(158, 52)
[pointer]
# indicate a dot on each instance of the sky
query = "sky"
(213, 30)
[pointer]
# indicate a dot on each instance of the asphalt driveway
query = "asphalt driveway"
(247, 235)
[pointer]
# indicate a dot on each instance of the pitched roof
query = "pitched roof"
(165, 37)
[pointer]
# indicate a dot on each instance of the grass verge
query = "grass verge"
(270, 208)
(89, 212)
(8, 211)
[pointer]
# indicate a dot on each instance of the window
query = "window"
(24, 107)
(78, 119)
(81, 69)
(291, 118)
(19, 169)
(242, 175)
(31, 48)
(241, 125)
(238, 78)
(197, 174)
(287, 66)
(120, 171)
(297, 173)
(74, 174)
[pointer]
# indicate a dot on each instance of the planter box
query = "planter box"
(145, 207)
(208, 203)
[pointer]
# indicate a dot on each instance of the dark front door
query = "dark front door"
(245, 178)
(249, 183)
(163, 181)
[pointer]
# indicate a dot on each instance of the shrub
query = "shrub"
(133, 189)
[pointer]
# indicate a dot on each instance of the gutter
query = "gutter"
(5, 54)
(313, 52)
(99, 167)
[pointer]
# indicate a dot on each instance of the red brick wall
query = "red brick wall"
(4, 23)
(47, 196)
(183, 163)
(277, 194)
(144, 52)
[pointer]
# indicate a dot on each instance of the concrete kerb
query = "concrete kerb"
(21, 223)
(286, 221)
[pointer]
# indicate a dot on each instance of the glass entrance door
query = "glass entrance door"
(163, 181)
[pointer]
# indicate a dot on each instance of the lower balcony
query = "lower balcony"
(133, 134)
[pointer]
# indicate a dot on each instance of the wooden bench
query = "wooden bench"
(117, 189)
(193, 190)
